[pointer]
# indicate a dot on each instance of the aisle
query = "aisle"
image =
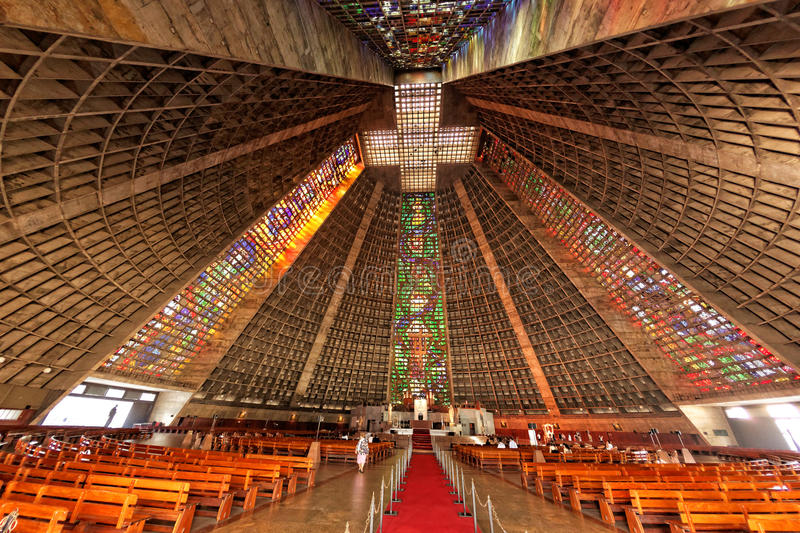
(427, 504)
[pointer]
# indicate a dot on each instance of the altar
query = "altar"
(440, 421)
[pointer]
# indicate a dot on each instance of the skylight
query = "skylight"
(419, 144)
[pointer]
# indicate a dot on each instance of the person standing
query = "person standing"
(362, 451)
(111, 414)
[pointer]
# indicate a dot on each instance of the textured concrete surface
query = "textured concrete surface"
(533, 28)
(296, 34)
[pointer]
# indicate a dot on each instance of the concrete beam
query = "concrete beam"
(528, 29)
(27, 223)
(294, 34)
(724, 159)
(649, 356)
(336, 298)
(508, 303)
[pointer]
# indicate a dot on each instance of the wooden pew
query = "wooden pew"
(243, 486)
(774, 523)
(96, 468)
(35, 518)
(265, 476)
(211, 492)
(52, 477)
(164, 502)
(89, 509)
(303, 467)
(659, 507)
(704, 516)
(617, 495)
(9, 472)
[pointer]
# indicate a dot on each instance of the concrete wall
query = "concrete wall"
(296, 34)
(168, 405)
(708, 419)
(255, 413)
(533, 28)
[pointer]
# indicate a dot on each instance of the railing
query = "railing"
(455, 479)
(374, 520)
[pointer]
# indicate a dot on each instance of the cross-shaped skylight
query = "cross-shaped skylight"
(419, 144)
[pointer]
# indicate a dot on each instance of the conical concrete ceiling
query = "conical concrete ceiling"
(623, 239)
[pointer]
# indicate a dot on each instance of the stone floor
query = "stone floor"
(343, 495)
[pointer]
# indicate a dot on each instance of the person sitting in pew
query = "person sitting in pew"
(512, 444)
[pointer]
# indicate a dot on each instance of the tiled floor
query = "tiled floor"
(343, 495)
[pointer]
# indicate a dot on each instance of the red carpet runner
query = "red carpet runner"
(427, 504)
(421, 439)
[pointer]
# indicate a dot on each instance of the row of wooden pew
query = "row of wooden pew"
(491, 458)
(116, 486)
(330, 450)
(678, 497)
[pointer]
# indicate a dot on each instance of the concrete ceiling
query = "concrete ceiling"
(127, 165)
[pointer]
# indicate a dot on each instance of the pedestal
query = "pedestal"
(313, 453)
(188, 439)
(687, 456)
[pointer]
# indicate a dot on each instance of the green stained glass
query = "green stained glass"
(420, 348)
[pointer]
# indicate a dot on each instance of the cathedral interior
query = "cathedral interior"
(583, 213)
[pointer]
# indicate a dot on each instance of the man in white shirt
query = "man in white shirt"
(512, 444)
(501, 444)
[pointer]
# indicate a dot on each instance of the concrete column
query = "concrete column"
(168, 405)
(654, 361)
(708, 419)
(338, 293)
(508, 303)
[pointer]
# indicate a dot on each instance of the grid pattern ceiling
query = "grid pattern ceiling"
(116, 189)
(176, 334)
(588, 368)
(687, 137)
(711, 352)
(487, 361)
(354, 365)
(414, 33)
(265, 362)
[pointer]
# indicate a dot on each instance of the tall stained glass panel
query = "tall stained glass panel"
(705, 346)
(176, 334)
(420, 344)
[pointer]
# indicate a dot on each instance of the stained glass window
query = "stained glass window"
(420, 345)
(705, 346)
(175, 335)
(417, 34)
